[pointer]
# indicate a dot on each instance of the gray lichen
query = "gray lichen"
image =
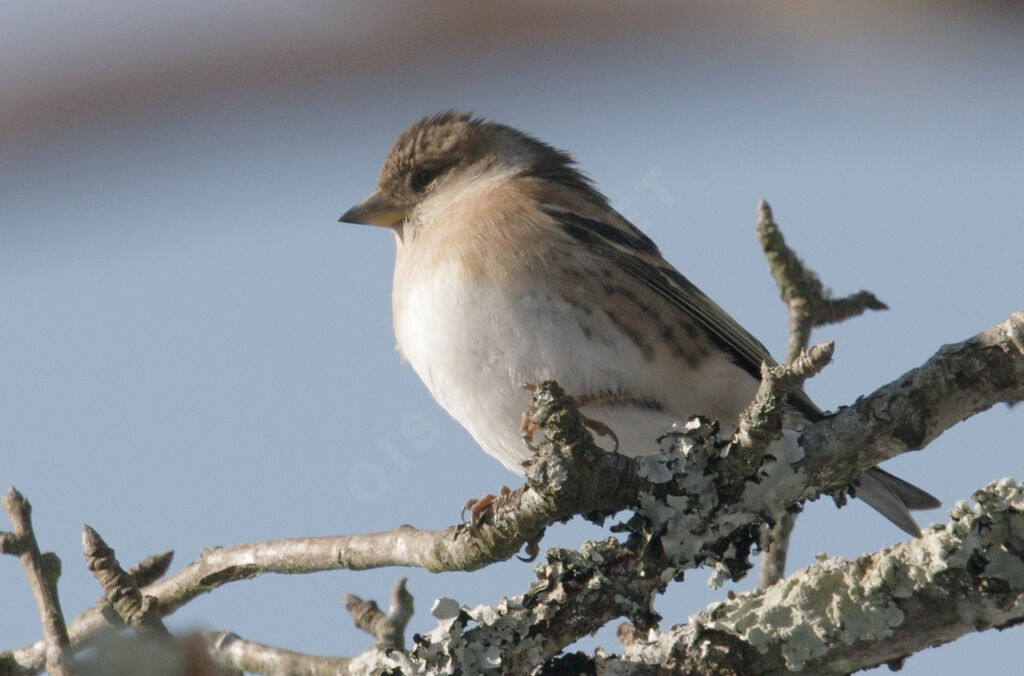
(815, 620)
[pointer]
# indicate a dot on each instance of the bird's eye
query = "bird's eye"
(424, 177)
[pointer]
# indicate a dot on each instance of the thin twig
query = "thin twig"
(809, 303)
(42, 571)
(387, 629)
(235, 652)
(760, 424)
(138, 611)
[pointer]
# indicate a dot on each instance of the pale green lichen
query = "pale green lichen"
(840, 602)
(689, 522)
(836, 602)
(654, 468)
(807, 613)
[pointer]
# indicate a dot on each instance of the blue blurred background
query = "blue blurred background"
(195, 353)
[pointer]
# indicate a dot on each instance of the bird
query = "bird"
(511, 268)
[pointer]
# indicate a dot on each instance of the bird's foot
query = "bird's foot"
(526, 431)
(602, 430)
(598, 427)
(532, 549)
(478, 507)
(528, 427)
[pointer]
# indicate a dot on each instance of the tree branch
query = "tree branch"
(907, 414)
(809, 305)
(235, 652)
(686, 517)
(840, 616)
(42, 571)
(760, 424)
(119, 587)
(387, 629)
(232, 651)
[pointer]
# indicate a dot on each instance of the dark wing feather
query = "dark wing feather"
(632, 251)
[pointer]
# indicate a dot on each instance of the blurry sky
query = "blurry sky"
(195, 353)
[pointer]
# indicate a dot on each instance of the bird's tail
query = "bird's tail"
(894, 498)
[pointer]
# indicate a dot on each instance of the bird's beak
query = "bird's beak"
(377, 209)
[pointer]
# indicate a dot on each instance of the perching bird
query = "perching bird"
(512, 268)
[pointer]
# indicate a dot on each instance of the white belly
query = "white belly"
(474, 346)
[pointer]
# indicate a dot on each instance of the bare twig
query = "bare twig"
(138, 611)
(387, 629)
(42, 571)
(10, 543)
(808, 301)
(235, 652)
(773, 559)
(151, 568)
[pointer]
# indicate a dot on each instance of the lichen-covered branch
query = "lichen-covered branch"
(684, 526)
(840, 616)
(551, 494)
(760, 424)
(575, 593)
(685, 517)
(607, 580)
(958, 381)
(809, 305)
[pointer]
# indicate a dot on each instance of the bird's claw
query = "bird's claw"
(528, 427)
(532, 550)
(478, 507)
(602, 430)
(526, 431)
